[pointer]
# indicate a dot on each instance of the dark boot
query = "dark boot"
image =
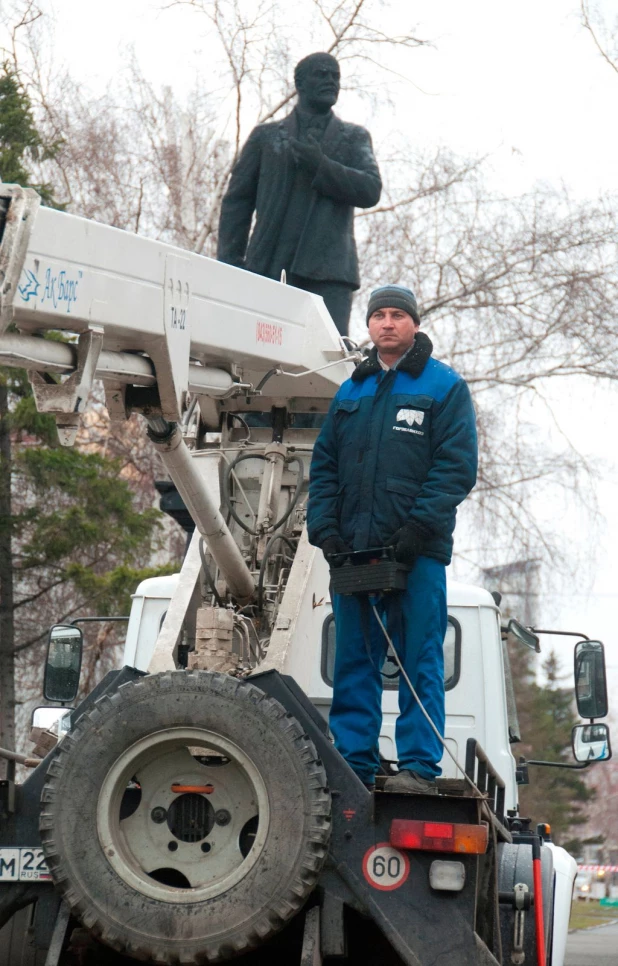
(410, 783)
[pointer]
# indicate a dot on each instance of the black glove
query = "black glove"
(408, 542)
(333, 545)
(307, 154)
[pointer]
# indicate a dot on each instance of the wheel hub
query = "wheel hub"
(182, 814)
(190, 817)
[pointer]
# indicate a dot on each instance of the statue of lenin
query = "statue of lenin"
(303, 177)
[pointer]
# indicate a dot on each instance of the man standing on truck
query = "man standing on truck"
(396, 455)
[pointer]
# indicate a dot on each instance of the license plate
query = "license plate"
(23, 865)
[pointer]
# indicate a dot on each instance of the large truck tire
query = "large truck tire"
(186, 818)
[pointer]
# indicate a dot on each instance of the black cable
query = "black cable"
(245, 425)
(264, 380)
(262, 575)
(209, 578)
(225, 489)
(299, 483)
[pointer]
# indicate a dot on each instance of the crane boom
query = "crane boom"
(157, 323)
(189, 323)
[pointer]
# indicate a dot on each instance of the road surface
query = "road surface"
(593, 947)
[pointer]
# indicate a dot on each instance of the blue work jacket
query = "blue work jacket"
(396, 446)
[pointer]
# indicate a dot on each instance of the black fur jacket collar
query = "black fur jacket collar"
(413, 363)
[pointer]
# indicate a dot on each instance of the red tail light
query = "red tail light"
(439, 836)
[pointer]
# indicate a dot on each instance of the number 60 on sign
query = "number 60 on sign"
(385, 868)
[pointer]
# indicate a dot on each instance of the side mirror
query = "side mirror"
(51, 719)
(524, 635)
(590, 679)
(63, 663)
(591, 742)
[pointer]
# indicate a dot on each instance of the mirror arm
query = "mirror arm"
(558, 764)
(584, 637)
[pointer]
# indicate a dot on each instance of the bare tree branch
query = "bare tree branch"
(587, 22)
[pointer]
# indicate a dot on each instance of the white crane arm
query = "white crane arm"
(187, 322)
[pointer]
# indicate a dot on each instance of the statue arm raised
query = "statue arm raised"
(358, 184)
(238, 203)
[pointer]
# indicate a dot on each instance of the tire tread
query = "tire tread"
(315, 846)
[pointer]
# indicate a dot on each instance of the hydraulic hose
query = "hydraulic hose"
(225, 487)
(229, 469)
(299, 483)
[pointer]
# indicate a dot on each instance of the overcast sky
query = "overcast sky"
(522, 82)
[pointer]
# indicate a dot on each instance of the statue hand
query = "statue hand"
(308, 155)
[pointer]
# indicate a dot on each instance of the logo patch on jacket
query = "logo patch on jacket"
(410, 416)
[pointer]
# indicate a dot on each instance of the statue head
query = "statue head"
(317, 78)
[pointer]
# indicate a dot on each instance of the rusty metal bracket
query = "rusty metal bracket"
(66, 400)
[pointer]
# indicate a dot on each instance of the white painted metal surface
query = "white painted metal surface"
(565, 870)
(68, 273)
(163, 653)
(150, 603)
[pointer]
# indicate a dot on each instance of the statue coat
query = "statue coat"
(262, 181)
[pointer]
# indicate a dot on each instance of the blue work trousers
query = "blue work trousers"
(417, 629)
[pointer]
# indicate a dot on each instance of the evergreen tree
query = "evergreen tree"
(19, 138)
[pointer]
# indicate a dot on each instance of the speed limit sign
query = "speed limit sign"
(385, 868)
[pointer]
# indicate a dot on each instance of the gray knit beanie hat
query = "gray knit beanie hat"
(393, 297)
